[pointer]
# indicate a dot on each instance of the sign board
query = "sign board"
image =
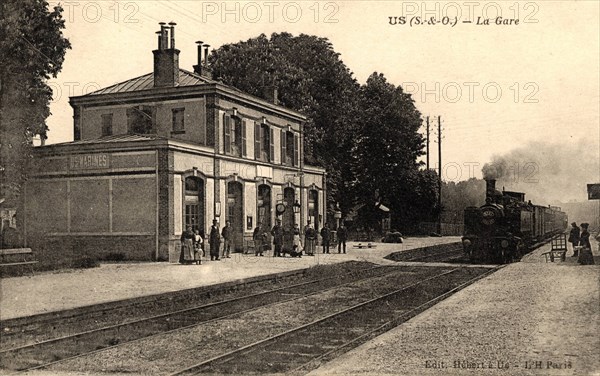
(89, 161)
(593, 191)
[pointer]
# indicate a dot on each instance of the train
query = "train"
(507, 227)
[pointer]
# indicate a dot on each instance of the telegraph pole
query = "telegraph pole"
(427, 149)
(439, 174)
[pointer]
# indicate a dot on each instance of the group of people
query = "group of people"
(580, 239)
(297, 248)
(193, 244)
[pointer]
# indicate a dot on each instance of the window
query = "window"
(290, 147)
(235, 136)
(178, 120)
(107, 124)
(141, 120)
(263, 142)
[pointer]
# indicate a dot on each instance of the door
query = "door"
(194, 204)
(288, 218)
(235, 213)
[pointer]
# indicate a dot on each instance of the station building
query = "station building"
(166, 150)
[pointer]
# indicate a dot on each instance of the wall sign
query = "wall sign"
(89, 161)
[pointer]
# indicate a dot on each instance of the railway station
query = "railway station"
(164, 151)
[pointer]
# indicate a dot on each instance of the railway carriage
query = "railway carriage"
(506, 226)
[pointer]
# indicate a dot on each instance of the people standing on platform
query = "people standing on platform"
(296, 243)
(585, 256)
(342, 236)
(227, 234)
(325, 235)
(574, 237)
(310, 237)
(258, 237)
(198, 247)
(215, 241)
(187, 246)
(277, 232)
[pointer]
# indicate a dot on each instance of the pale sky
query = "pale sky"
(546, 67)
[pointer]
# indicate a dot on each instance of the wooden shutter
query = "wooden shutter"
(296, 150)
(227, 134)
(242, 124)
(283, 148)
(257, 138)
(271, 144)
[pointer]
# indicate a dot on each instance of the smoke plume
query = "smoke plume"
(547, 173)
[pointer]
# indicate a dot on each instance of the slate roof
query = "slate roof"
(111, 139)
(146, 82)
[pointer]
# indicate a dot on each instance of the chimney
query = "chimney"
(166, 58)
(198, 67)
(490, 189)
(270, 94)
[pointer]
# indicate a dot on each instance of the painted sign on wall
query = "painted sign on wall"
(89, 161)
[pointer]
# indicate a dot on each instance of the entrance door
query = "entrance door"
(289, 218)
(235, 213)
(313, 208)
(194, 204)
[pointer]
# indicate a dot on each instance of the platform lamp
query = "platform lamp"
(297, 207)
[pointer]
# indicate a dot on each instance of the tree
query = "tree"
(386, 150)
(312, 80)
(32, 49)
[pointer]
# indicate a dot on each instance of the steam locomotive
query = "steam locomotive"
(506, 226)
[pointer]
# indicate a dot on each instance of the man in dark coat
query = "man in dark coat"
(342, 235)
(277, 232)
(227, 234)
(574, 237)
(215, 240)
(258, 236)
(325, 235)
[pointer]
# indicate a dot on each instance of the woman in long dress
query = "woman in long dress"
(187, 246)
(585, 256)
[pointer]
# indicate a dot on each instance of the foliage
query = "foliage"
(457, 196)
(385, 153)
(32, 49)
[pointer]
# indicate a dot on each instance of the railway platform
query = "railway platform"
(528, 318)
(66, 289)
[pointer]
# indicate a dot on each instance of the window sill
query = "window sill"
(178, 132)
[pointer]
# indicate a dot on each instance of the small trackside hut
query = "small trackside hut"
(166, 150)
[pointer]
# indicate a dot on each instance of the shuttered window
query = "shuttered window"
(257, 143)
(283, 148)
(227, 134)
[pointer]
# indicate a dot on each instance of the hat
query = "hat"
(586, 225)
(573, 224)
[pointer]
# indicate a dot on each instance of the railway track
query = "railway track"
(23, 331)
(302, 349)
(51, 351)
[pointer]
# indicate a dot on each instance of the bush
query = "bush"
(114, 256)
(85, 263)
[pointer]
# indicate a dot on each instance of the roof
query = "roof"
(111, 139)
(146, 82)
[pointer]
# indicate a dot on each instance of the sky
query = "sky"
(497, 88)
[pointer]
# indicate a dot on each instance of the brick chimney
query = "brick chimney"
(166, 57)
(202, 67)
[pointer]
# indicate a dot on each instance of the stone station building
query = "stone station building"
(165, 150)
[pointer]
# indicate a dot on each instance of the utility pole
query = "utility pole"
(427, 149)
(440, 174)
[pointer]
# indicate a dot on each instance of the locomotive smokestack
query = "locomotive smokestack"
(490, 188)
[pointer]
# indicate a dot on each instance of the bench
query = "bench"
(17, 256)
(558, 248)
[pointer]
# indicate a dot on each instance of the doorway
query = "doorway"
(235, 213)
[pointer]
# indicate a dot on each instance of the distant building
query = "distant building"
(166, 150)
